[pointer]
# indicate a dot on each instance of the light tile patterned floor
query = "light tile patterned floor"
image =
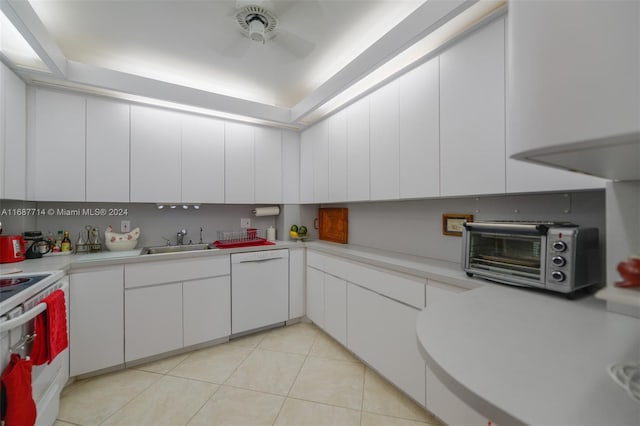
(295, 375)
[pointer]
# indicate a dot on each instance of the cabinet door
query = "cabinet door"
(315, 296)
(153, 320)
(14, 95)
(268, 146)
(107, 150)
(419, 131)
(239, 163)
(558, 98)
(206, 307)
(321, 163)
(290, 167)
(202, 160)
(306, 165)
(383, 333)
(335, 308)
(155, 155)
(96, 325)
(3, 70)
(358, 150)
(297, 283)
(472, 114)
(56, 150)
(338, 157)
(384, 148)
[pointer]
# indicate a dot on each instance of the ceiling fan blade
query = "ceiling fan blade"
(296, 45)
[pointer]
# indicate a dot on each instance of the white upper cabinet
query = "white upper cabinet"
(306, 165)
(155, 155)
(383, 143)
(472, 114)
(107, 150)
(574, 76)
(358, 150)
(419, 131)
(321, 162)
(338, 156)
(290, 167)
(13, 135)
(268, 163)
(239, 164)
(202, 159)
(56, 146)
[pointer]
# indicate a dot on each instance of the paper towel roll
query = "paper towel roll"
(266, 211)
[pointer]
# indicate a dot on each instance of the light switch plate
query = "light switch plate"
(125, 225)
(245, 222)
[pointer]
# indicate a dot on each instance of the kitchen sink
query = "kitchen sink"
(176, 249)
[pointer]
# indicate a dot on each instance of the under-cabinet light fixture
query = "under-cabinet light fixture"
(173, 206)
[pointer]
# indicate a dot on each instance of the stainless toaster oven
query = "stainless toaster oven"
(555, 256)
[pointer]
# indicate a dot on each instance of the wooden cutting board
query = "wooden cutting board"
(334, 224)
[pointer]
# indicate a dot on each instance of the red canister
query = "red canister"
(12, 248)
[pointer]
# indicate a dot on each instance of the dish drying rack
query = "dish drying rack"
(246, 238)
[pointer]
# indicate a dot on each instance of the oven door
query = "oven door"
(512, 254)
(47, 380)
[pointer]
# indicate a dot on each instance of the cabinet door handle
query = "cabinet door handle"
(261, 260)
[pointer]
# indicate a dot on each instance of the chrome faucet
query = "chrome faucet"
(180, 237)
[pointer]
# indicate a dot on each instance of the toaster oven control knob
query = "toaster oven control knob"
(559, 246)
(558, 276)
(558, 261)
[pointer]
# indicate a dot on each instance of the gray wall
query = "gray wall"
(154, 223)
(410, 227)
(415, 227)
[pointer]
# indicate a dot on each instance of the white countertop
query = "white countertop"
(81, 261)
(522, 357)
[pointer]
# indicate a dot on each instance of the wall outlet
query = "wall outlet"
(245, 222)
(125, 225)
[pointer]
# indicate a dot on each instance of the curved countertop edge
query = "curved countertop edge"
(492, 412)
(479, 363)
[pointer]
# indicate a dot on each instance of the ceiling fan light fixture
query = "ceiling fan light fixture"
(256, 30)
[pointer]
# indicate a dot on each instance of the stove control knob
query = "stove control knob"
(559, 246)
(558, 261)
(558, 276)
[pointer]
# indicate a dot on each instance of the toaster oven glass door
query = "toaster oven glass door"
(519, 258)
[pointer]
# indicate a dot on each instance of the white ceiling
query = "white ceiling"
(138, 46)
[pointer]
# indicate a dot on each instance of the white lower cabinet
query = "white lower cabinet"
(315, 296)
(382, 332)
(335, 308)
(153, 320)
(96, 325)
(174, 304)
(297, 283)
(206, 309)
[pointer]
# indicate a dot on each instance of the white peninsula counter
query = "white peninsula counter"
(522, 357)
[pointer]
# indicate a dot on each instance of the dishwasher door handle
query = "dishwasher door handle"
(261, 260)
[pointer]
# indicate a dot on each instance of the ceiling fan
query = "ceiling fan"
(259, 24)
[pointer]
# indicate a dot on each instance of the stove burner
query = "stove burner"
(10, 282)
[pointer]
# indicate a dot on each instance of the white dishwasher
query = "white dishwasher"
(259, 289)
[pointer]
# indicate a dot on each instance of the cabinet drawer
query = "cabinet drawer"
(337, 267)
(142, 274)
(400, 287)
